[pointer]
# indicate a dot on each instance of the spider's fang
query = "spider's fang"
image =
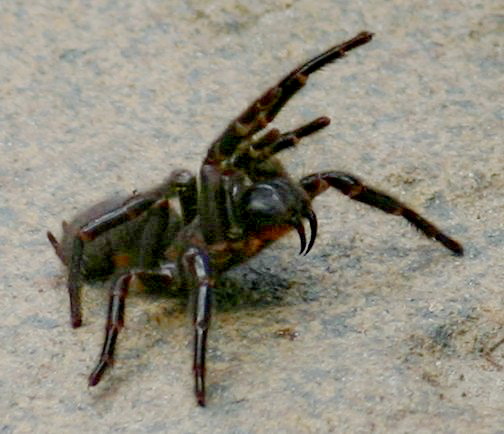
(312, 218)
(302, 236)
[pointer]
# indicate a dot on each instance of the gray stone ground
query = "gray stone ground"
(393, 333)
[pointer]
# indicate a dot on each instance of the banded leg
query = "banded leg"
(180, 182)
(273, 142)
(265, 108)
(353, 188)
(115, 315)
(196, 268)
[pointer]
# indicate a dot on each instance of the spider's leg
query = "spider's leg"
(265, 108)
(196, 267)
(158, 232)
(184, 183)
(131, 209)
(58, 249)
(274, 142)
(115, 322)
(211, 206)
(161, 225)
(353, 188)
(115, 314)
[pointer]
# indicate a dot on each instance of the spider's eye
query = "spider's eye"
(273, 202)
(277, 202)
(262, 204)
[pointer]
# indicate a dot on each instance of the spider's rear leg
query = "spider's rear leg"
(265, 108)
(98, 222)
(115, 314)
(131, 209)
(353, 188)
(58, 248)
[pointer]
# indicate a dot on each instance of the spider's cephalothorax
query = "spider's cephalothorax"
(244, 202)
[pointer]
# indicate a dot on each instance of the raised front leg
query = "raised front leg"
(353, 188)
(266, 107)
(196, 269)
(253, 158)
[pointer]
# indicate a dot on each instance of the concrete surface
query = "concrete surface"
(391, 332)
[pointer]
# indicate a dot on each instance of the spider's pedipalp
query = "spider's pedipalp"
(291, 138)
(267, 139)
(273, 142)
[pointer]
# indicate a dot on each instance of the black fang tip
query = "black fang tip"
(302, 236)
(312, 218)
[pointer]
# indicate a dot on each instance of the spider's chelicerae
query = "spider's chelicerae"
(243, 202)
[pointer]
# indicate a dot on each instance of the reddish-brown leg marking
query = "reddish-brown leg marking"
(273, 142)
(353, 188)
(266, 107)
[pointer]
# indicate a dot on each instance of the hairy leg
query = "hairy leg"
(273, 142)
(266, 107)
(353, 188)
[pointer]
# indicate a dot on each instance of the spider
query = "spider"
(244, 201)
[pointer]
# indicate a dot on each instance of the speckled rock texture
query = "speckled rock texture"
(378, 329)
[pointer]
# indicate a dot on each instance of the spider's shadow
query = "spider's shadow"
(251, 286)
(254, 285)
